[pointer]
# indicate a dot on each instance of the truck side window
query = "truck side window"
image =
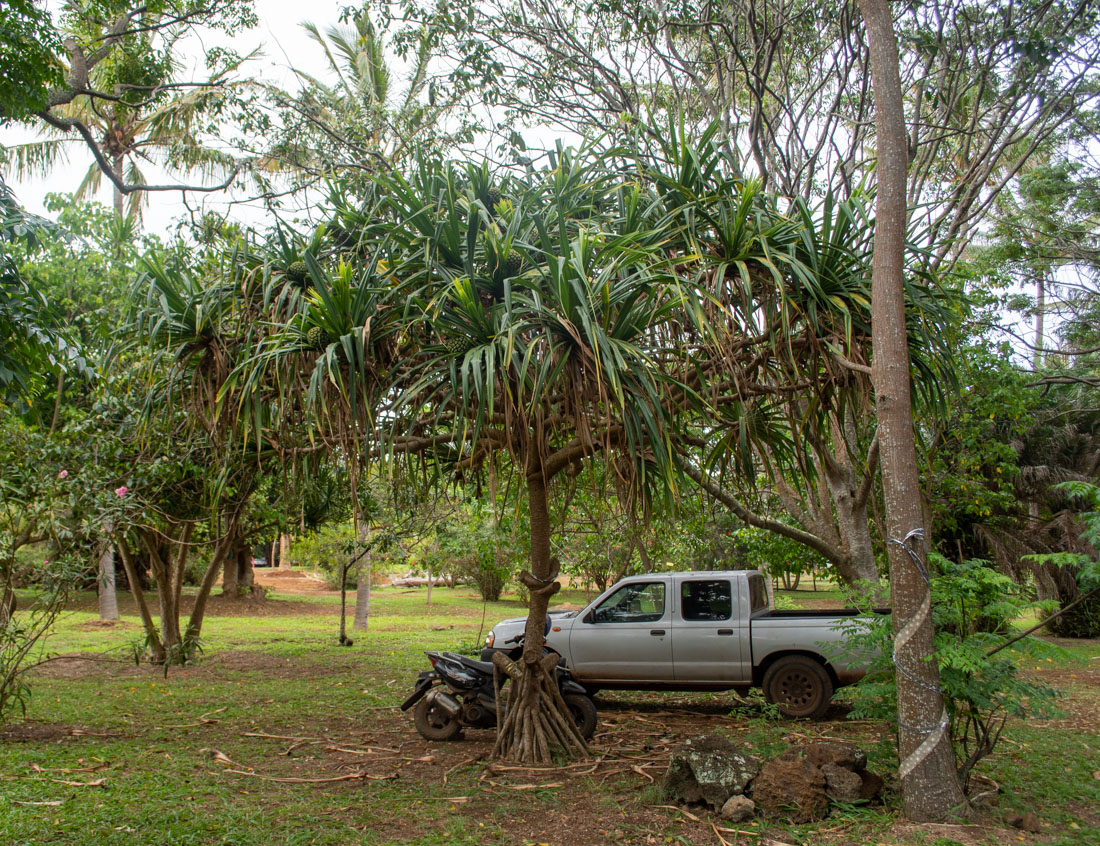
(640, 602)
(706, 600)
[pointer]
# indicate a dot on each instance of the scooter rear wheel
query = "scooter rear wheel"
(434, 723)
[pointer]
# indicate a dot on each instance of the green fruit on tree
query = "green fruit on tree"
(492, 197)
(512, 264)
(297, 272)
(458, 345)
(317, 338)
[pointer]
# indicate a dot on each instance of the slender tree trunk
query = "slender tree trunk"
(120, 208)
(930, 783)
(362, 588)
(209, 579)
(1040, 313)
(431, 584)
(152, 636)
(108, 599)
(57, 401)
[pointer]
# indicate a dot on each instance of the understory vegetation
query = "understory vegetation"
(110, 748)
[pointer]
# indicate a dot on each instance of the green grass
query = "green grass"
(284, 674)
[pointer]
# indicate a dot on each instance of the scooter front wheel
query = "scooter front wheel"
(433, 722)
(583, 713)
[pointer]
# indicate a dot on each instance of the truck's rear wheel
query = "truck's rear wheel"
(798, 686)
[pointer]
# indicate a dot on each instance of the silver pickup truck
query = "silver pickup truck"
(698, 631)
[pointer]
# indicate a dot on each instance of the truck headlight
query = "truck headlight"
(490, 639)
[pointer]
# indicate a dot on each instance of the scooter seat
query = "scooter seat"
(481, 666)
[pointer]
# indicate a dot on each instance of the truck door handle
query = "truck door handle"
(657, 632)
(725, 631)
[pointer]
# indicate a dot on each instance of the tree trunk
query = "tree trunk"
(362, 587)
(431, 583)
(206, 586)
(929, 781)
(1040, 313)
(108, 598)
(284, 553)
(230, 582)
(120, 208)
(246, 575)
(152, 636)
(537, 721)
(362, 595)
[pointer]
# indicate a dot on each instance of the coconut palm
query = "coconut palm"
(152, 120)
(359, 118)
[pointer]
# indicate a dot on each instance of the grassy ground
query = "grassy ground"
(279, 736)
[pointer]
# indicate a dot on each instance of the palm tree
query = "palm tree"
(361, 120)
(152, 119)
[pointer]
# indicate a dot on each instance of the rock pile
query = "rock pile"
(796, 785)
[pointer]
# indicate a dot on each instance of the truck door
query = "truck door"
(707, 645)
(628, 636)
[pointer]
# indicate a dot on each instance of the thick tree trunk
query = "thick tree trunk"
(230, 582)
(930, 783)
(537, 721)
(284, 553)
(108, 598)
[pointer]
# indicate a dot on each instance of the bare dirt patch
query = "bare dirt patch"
(45, 733)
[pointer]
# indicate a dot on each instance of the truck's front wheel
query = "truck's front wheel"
(798, 686)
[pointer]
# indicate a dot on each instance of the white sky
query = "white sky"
(284, 43)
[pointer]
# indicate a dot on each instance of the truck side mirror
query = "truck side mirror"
(587, 618)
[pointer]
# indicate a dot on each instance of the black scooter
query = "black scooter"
(458, 691)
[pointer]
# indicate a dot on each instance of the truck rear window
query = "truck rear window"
(706, 600)
(758, 593)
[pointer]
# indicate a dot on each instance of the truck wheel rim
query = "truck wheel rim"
(796, 688)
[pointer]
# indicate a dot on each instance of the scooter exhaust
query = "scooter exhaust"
(444, 701)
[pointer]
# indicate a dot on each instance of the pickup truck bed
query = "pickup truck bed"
(701, 631)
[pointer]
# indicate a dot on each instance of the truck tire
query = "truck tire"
(583, 713)
(434, 723)
(799, 686)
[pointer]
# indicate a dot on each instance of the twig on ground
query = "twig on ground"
(472, 760)
(687, 814)
(356, 776)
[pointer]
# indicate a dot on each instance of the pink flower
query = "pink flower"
(63, 474)
(121, 491)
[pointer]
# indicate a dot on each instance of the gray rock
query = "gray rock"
(841, 784)
(708, 769)
(738, 808)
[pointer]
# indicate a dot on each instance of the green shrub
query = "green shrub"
(981, 691)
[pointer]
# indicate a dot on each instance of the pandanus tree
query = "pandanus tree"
(548, 325)
(787, 296)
